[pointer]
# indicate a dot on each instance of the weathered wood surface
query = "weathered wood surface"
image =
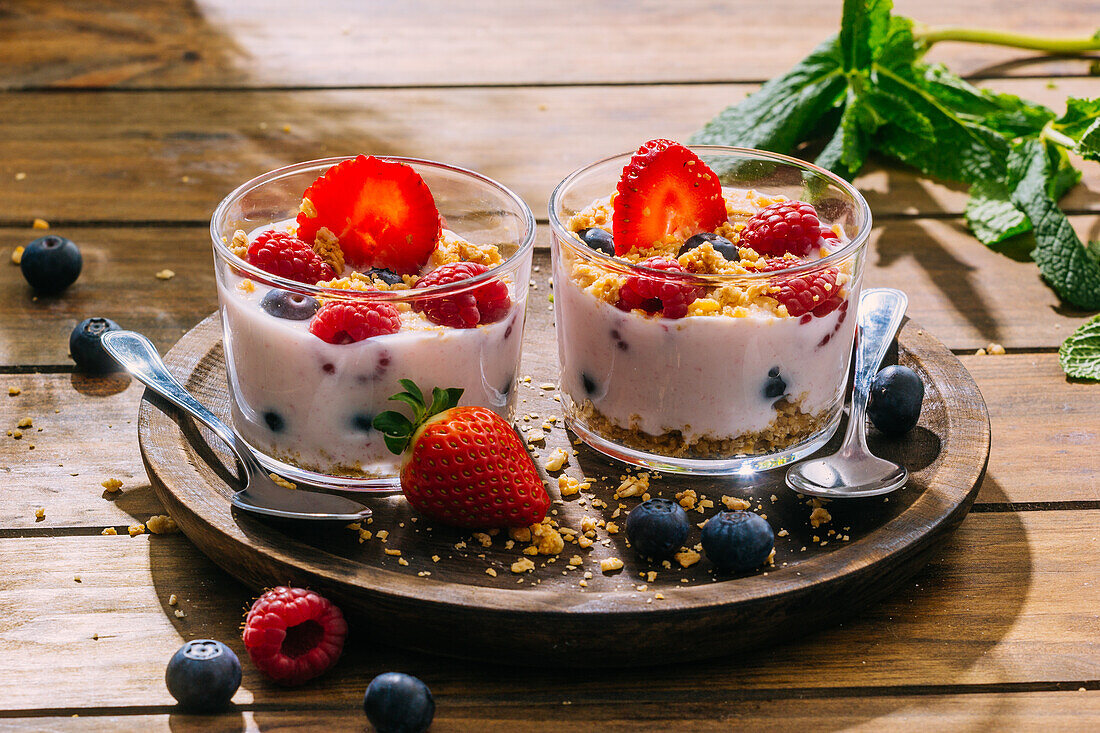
(96, 43)
(998, 606)
(172, 156)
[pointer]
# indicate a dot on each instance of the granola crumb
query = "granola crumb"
(327, 247)
(172, 600)
(280, 481)
(569, 486)
(40, 224)
(546, 538)
(25, 422)
(239, 245)
(534, 435)
(392, 551)
(633, 485)
(112, 485)
(523, 565)
(733, 503)
(782, 533)
(610, 565)
(39, 514)
(109, 531)
(17, 255)
(20, 176)
(12, 391)
(491, 572)
(687, 558)
(307, 208)
(162, 524)
(980, 352)
(165, 275)
(820, 515)
(402, 561)
(435, 558)
(557, 458)
(246, 286)
(179, 614)
(995, 349)
(136, 529)
(576, 560)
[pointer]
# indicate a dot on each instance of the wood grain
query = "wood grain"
(962, 292)
(1000, 605)
(178, 153)
(1069, 710)
(96, 43)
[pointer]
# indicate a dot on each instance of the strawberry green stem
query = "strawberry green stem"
(929, 35)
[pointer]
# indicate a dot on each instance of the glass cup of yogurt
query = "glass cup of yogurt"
(304, 394)
(721, 376)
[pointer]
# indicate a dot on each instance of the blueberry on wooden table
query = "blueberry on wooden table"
(203, 675)
(399, 703)
(86, 346)
(657, 528)
(895, 400)
(51, 263)
(737, 541)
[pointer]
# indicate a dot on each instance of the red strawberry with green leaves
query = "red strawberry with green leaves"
(665, 189)
(463, 466)
(381, 212)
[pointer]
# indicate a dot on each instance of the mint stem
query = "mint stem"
(929, 35)
(1049, 133)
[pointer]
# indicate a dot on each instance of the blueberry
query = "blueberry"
(721, 245)
(387, 276)
(656, 528)
(737, 541)
(51, 263)
(774, 386)
(598, 239)
(589, 383)
(363, 422)
(203, 675)
(896, 396)
(86, 348)
(290, 306)
(275, 421)
(398, 703)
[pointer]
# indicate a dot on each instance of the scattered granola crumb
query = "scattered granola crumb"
(820, 515)
(782, 533)
(546, 538)
(612, 528)
(109, 531)
(423, 574)
(14, 391)
(483, 539)
(534, 435)
(490, 572)
(557, 458)
(246, 286)
(39, 514)
(25, 422)
(162, 524)
(576, 560)
(112, 485)
(76, 579)
(633, 485)
(402, 561)
(280, 481)
(391, 551)
(40, 224)
(172, 600)
(384, 533)
(687, 558)
(610, 565)
(569, 486)
(980, 352)
(165, 275)
(733, 503)
(995, 349)
(435, 558)
(136, 529)
(17, 255)
(523, 565)
(20, 176)
(364, 535)
(178, 613)
(17, 434)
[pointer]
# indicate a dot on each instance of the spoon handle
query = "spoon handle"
(140, 357)
(880, 314)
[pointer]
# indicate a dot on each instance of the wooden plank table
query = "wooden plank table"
(124, 124)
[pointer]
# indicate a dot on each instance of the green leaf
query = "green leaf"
(785, 109)
(991, 215)
(1081, 123)
(863, 27)
(1071, 269)
(392, 422)
(1080, 353)
(412, 389)
(410, 400)
(444, 399)
(1005, 113)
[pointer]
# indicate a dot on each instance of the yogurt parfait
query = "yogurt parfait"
(338, 278)
(704, 302)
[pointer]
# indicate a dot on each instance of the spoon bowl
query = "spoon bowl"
(853, 471)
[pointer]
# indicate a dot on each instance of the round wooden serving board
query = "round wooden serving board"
(821, 575)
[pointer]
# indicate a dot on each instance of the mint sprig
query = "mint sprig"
(868, 91)
(1080, 354)
(398, 430)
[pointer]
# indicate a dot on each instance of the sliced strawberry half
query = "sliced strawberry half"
(665, 189)
(382, 212)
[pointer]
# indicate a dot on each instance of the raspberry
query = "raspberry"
(485, 304)
(815, 293)
(655, 294)
(293, 635)
(788, 226)
(287, 256)
(339, 322)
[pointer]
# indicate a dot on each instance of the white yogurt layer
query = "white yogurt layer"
(704, 376)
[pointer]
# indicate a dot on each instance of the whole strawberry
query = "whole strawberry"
(463, 466)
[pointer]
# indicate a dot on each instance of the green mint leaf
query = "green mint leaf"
(1081, 123)
(1005, 113)
(1070, 267)
(1079, 355)
(863, 27)
(785, 109)
(991, 215)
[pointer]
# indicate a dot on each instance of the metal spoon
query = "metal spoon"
(260, 495)
(852, 471)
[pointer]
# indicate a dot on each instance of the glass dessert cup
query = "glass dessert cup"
(718, 392)
(306, 406)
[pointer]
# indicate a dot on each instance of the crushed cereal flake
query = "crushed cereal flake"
(112, 485)
(17, 255)
(733, 503)
(687, 558)
(610, 565)
(179, 614)
(14, 391)
(162, 524)
(136, 529)
(25, 422)
(40, 224)
(491, 572)
(172, 600)
(557, 458)
(391, 551)
(39, 514)
(634, 485)
(109, 531)
(402, 561)
(165, 275)
(523, 565)
(280, 481)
